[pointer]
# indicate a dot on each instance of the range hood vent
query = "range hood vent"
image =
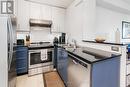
(40, 23)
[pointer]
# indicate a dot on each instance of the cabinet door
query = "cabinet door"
(23, 15)
(35, 11)
(21, 59)
(58, 18)
(62, 64)
(106, 73)
(46, 12)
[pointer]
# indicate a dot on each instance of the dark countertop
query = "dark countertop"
(111, 43)
(34, 47)
(40, 47)
(91, 55)
(21, 46)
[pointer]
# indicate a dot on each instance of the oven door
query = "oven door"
(34, 58)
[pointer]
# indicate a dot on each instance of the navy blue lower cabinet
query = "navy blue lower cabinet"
(21, 60)
(62, 64)
(106, 73)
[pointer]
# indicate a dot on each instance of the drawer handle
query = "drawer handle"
(75, 62)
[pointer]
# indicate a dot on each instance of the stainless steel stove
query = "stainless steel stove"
(40, 58)
(40, 44)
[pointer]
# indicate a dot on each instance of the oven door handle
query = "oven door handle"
(34, 51)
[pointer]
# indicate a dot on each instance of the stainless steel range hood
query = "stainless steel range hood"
(40, 23)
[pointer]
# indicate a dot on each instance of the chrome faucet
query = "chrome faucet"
(75, 43)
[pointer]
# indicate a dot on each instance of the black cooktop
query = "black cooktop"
(40, 45)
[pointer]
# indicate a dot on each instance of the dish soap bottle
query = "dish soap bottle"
(117, 36)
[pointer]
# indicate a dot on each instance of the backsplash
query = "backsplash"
(39, 35)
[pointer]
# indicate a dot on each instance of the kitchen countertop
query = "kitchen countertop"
(21, 45)
(111, 43)
(91, 55)
(40, 47)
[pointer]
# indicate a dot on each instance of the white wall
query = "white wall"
(73, 21)
(38, 35)
(80, 20)
(107, 22)
(43, 35)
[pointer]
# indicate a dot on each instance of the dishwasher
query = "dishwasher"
(78, 72)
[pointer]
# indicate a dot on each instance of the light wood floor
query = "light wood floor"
(52, 79)
(33, 81)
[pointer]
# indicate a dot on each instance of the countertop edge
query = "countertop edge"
(121, 44)
(42, 47)
(80, 57)
(87, 61)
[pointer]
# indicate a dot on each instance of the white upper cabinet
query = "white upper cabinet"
(39, 11)
(35, 11)
(27, 10)
(58, 19)
(46, 12)
(23, 15)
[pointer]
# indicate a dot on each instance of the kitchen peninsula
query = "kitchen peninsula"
(90, 67)
(120, 48)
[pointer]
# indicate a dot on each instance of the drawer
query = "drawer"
(21, 70)
(39, 70)
(21, 63)
(21, 54)
(128, 69)
(21, 48)
(22, 58)
(33, 71)
(47, 68)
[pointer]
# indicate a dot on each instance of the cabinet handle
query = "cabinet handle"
(79, 61)
(74, 62)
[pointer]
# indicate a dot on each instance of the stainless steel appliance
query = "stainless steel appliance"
(40, 60)
(20, 41)
(39, 44)
(62, 38)
(40, 23)
(76, 71)
(11, 28)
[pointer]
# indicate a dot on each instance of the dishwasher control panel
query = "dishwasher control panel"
(76, 60)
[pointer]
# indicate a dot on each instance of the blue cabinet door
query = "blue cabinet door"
(106, 73)
(21, 60)
(62, 63)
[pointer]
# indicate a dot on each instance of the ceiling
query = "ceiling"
(58, 3)
(128, 1)
(123, 6)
